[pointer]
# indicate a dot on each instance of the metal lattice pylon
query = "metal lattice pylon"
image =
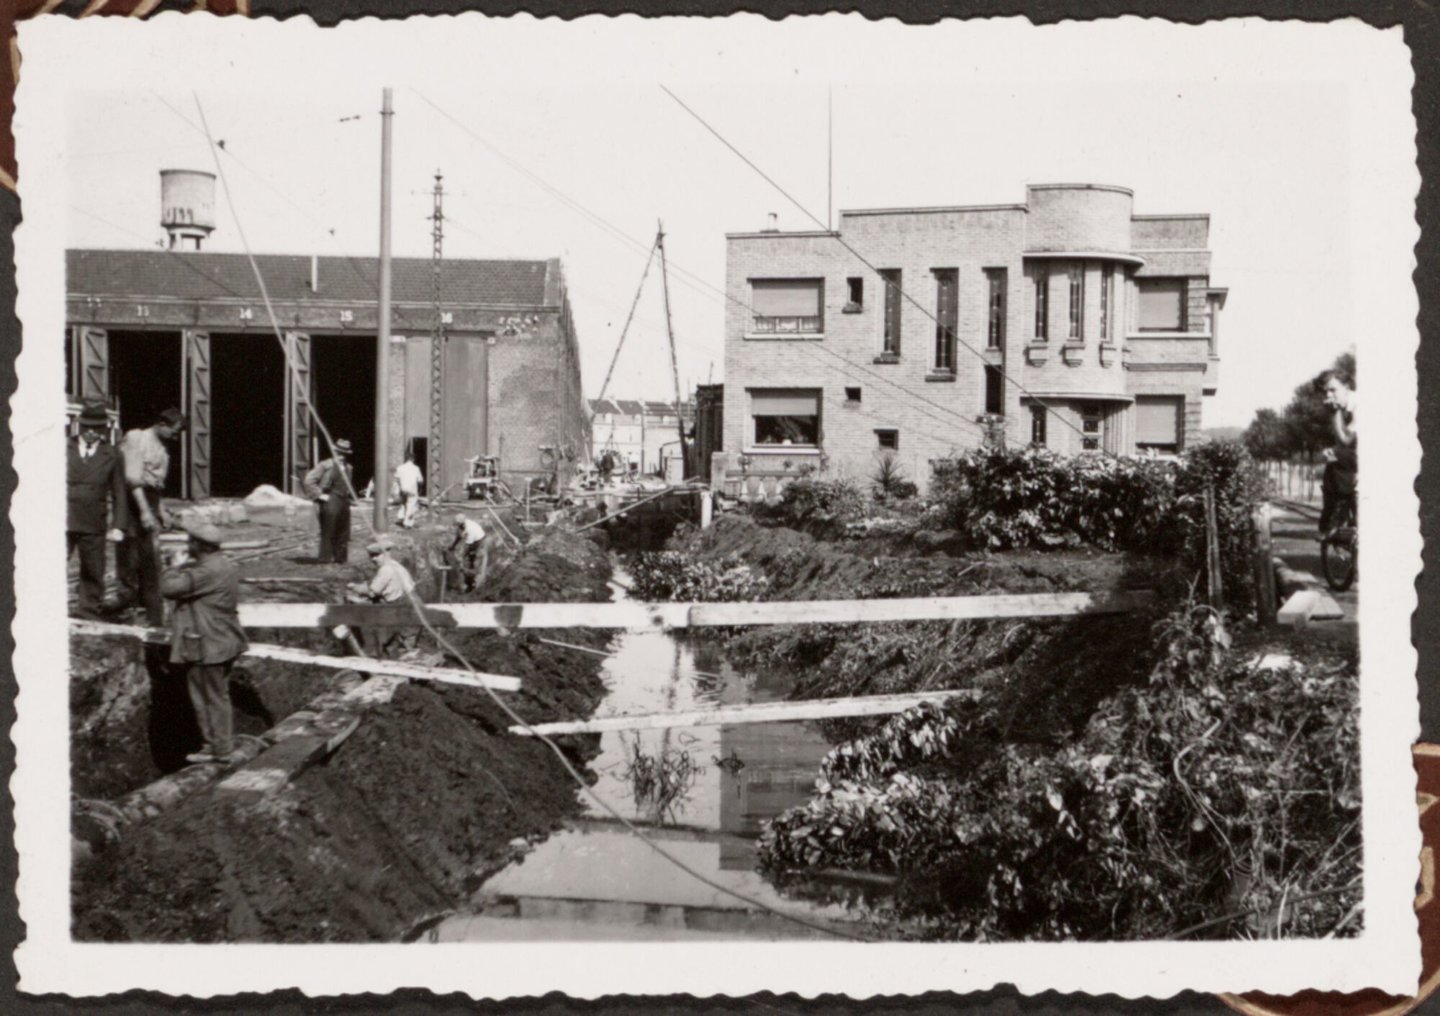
(437, 347)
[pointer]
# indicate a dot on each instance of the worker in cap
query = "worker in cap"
(391, 584)
(330, 486)
(205, 633)
(146, 456)
(96, 508)
(471, 551)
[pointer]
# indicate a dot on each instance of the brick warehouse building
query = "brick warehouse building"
(152, 328)
(1107, 319)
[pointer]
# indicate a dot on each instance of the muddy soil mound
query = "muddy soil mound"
(392, 829)
(801, 567)
(1051, 673)
(399, 824)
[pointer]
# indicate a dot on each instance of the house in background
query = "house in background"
(649, 430)
(1067, 322)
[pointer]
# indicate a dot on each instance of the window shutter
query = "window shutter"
(1161, 305)
(784, 402)
(785, 297)
(1157, 419)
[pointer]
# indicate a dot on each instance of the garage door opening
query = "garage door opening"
(247, 447)
(145, 377)
(343, 367)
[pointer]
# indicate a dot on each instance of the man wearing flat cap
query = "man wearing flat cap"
(205, 633)
(391, 584)
(95, 477)
(147, 468)
(329, 485)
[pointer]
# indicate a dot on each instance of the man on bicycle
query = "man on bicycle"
(1337, 487)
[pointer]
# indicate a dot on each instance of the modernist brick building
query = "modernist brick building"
(152, 328)
(1067, 321)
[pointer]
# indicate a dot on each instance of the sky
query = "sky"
(556, 140)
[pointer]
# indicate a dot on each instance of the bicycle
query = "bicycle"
(1339, 549)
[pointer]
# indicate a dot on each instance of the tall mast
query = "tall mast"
(382, 338)
(434, 481)
(674, 366)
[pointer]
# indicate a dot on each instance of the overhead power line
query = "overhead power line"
(1037, 400)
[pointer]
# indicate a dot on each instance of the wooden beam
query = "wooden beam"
(361, 664)
(643, 616)
(759, 712)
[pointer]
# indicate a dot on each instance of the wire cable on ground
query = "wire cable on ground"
(444, 643)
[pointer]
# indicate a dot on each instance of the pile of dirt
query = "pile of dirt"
(802, 567)
(1054, 670)
(401, 823)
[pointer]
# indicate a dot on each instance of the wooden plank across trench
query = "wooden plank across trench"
(643, 616)
(285, 654)
(758, 712)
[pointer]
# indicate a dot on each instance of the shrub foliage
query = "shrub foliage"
(1216, 799)
(1036, 498)
(671, 575)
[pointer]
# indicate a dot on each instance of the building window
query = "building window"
(1158, 422)
(1077, 303)
(994, 390)
(787, 306)
(1160, 305)
(855, 287)
(890, 324)
(1091, 427)
(995, 332)
(947, 317)
(852, 394)
(1042, 303)
(1107, 303)
(1037, 426)
(785, 416)
(888, 439)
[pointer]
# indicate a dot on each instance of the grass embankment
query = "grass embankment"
(399, 824)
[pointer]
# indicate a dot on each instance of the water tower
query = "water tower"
(187, 205)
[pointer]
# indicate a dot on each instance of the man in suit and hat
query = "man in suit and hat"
(147, 468)
(95, 478)
(329, 486)
(205, 633)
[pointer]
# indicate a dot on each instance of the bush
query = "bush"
(889, 482)
(670, 575)
(1036, 498)
(813, 500)
(1215, 799)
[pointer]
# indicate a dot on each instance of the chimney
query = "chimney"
(314, 273)
(773, 225)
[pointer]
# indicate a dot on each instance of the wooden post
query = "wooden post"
(1212, 552)
(1265, 596)
(707, 509)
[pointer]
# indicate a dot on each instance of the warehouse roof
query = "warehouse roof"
(203, 275)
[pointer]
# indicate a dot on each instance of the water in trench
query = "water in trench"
(597, 880)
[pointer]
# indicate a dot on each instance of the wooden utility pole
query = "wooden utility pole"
(1216, 593)
(674, 365)
(382, 338)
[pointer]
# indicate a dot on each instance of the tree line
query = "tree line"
(1303, 427)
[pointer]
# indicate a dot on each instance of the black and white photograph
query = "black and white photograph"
(715, 505)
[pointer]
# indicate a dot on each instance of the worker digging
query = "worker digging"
(391, 584)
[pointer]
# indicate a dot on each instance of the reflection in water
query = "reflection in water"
(598, 880)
